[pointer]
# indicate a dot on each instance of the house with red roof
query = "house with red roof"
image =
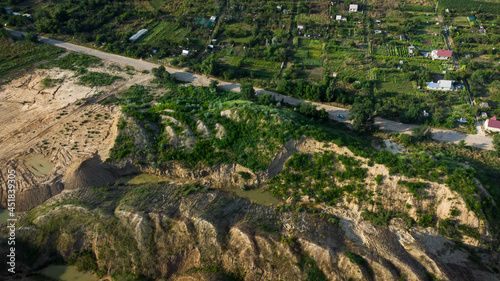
(441, 54)
(492, 124)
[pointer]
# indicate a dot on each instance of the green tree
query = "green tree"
(426, 220)
(247, 91)
(32, 37)
(495, 90)
(421, 133)
(213, 86)
(161, 74)
(496, 143)
(362, 114)
(209, 66)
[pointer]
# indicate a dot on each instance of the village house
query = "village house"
(441, 85)
(338, 17)
(353, 8)
(484, 105)
(411, 50)
(492, 124)
(441, 54)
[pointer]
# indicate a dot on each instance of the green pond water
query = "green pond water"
(4, 215)
(259, 196)
(67, 273)
(38, 165)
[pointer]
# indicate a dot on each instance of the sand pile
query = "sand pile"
(90, 172)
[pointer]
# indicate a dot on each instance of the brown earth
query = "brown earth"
(59, 124)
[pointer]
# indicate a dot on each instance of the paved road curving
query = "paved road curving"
(441, 135)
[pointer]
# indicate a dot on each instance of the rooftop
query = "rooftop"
(445, 53)
(494, 123)
(138, 34)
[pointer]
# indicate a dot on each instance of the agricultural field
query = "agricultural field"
(266, 42)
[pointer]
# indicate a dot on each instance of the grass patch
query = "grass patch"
(17, 55)
(98, 79)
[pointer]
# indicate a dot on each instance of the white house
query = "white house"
(492, 124)
(411, 50)
(378, 31)
(441, 54)
(300, 27)
(338, 17)
(441, 85)
(213, 18)
(353, 8)
(185, 53)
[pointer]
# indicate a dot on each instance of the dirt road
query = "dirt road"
(482, 142)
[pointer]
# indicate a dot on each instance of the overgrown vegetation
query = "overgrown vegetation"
(20, 54)
(93, 79)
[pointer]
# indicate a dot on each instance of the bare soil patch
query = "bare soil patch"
(46, 129)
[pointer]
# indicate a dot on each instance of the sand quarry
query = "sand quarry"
(48, 130)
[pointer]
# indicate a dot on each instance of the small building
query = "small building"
(16, 14)
(185, 53)
(138, 35)
(462, 120)
(301, 27)
(378, 31)
(425, 114)
(441, 54)
(441, 85)
(484, 115)
(411, 50)
(213, 18)
(338, 17)
(27, 15)
(353, 8)
(378, 21)
(492, 124)
(471, 18)
(403, 37)
(279, 7)
(343, 19)
(484, 105)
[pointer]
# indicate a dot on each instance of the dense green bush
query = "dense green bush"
(98, 79)
(426, 220)
(357, 259)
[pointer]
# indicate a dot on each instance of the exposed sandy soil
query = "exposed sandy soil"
(438, 198)
(57, 123)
